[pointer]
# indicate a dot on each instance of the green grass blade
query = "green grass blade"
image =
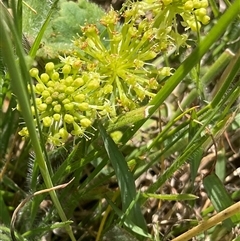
(217, 67)
(4, 212)
(8, 126)
(127, 222)
(219, 197)
(170, 197)
(38, 39)
(125, 179)
(229, 75)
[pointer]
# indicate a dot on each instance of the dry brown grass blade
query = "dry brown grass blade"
(205, 225)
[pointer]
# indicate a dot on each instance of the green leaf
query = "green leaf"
(195, 160)
(171, 197)
(219, 197)
(125, 179)
(220, 167)
(196, 157)
(39, 37)
(66, 25)
(127, 222)
(4, 212)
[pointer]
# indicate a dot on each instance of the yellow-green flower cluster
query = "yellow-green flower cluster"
(164, 12)
(66, 100)
(111, 72)
(122, 58)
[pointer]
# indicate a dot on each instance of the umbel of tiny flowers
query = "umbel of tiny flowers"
(110, 73)
(193, 13)
(123, 56)
(64, 103)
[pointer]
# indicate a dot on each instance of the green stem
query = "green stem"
(219, 65)
(228, 76)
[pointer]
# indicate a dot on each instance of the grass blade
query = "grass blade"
(128, 223)
(219, 197)
(125, 179)
(171, 197)
(38, 39)
(4, 211)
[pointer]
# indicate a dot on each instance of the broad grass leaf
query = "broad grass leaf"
(125, 179)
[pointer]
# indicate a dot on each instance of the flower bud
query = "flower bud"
(63, 133)
(93, 84)
(85, 122)
(68, 119)
(60, 87)
(49, 67)
(66, 69)
(39, 88)
(61, 96)
(66, 101)
(34, 72)
(196, 4)
(50, 83)
(205, 19)
(57, 108)
(68, 81)
(204, 3)
(47, 121)
(69, 106)
(56, 117)
(42, 107)
(48, 100)
(55, 76)
(165, 71)
(44, 77)
(78, 82)
(55, 95)
(24, 132)
(79, 98)
(77, 64)
(107, 89)
(201, 12)
(83, 106)
(38, 101)
(188, 6)
(69, 90)
(45, 94)
(166, 2)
